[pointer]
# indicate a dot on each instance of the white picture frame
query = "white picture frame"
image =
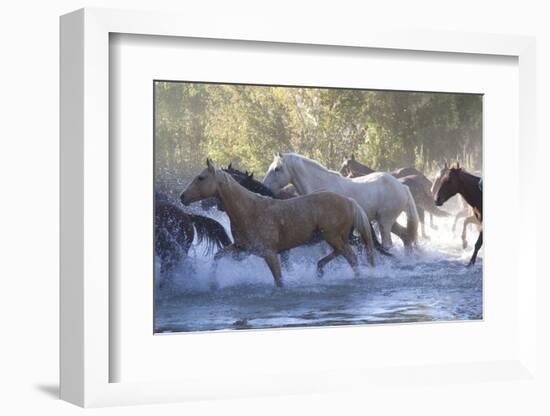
(85, 220)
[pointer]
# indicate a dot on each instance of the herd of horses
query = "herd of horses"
(301, 202)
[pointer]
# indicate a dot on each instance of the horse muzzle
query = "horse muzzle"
(185, 201)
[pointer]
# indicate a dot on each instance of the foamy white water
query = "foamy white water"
(431, 285)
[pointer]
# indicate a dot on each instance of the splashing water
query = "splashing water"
(430, 285)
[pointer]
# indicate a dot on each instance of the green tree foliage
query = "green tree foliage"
(242, 125)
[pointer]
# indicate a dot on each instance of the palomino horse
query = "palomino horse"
(465, 211)
(381, 195)
(458, 181)
(266, 227)
(247, 180)
(176, 229)
(418, 184)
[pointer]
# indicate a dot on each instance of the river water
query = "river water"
(430, 285)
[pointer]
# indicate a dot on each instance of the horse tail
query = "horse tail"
(357, 240)
(412, 218)
(210, 231)
(363, 226)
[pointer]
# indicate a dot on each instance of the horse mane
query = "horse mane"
(467, 175)
(310, 162)
(247, 180)
(233, 185)
(362, 165)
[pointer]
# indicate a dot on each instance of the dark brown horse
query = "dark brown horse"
(465, 211)
(418, 184)
(458, 181)
(176, 229)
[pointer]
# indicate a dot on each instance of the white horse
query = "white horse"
(381, 195)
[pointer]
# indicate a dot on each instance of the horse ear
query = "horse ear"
(446, 166)
(210, 165)
(458, 165)
(230, 166)
(352, 156)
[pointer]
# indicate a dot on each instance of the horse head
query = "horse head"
(349, 166)
(449, 185)
(204, 185)
(278, 175)
(439, 177)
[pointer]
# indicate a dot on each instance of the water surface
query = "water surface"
(432, 285)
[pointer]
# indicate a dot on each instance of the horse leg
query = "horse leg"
(323, 262)
(385, 233)
(401, 232)
(339, 245)
(272, 260)
(470, 220)
(461, 214)
(350, 256)
(479, 242)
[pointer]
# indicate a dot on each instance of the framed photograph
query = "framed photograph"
(336, 137)
(272, 212)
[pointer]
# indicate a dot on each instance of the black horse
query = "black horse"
(245, 179)
(176, 229)
(458, 181)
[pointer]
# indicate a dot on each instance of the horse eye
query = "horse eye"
(201, 178)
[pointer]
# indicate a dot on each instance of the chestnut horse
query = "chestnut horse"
(265, 227)
(458, 181)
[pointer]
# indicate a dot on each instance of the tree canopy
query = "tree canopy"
(242, 124)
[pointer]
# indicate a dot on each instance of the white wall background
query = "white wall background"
(29, 197)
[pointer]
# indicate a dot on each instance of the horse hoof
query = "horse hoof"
(464, 245)
(320, 273)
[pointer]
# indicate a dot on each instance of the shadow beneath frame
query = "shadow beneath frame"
(51, 390)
